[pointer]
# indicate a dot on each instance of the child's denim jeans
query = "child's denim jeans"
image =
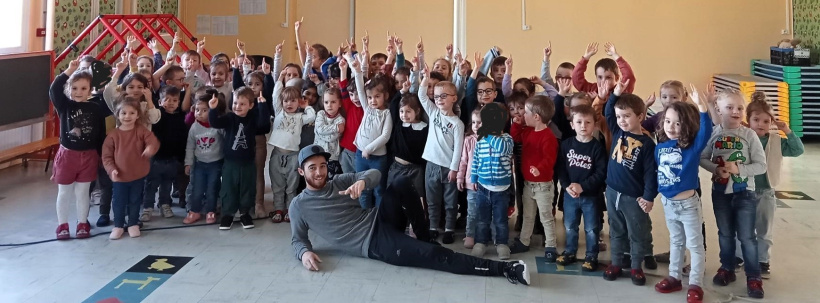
(573, 209)
(492, 207)
(684, 219)
(735, 215)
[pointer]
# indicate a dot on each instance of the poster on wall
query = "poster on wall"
(203, 25)
(253, 7)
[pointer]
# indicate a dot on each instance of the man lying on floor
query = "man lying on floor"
(332, 210)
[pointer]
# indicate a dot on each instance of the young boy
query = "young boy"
(353, 118)
(172, 134)
(537, 165)
(582, 168)
(606, 69)
(192, 65)
(632, 183)
(239, 171)
(446, 135)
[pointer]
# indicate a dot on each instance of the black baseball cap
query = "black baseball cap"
(310, 151)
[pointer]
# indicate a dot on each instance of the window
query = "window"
(13, 23)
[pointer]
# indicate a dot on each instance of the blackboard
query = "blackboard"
(24, 83)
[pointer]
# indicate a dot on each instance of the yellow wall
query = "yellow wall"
(661, 40)
(324, 22)
(432, 19)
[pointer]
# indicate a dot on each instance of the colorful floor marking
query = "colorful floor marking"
(140, 280)
(792, 195)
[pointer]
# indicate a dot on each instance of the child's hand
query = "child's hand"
(73, 65)
(115, 173)
(534, 171)
(425, 76)
(564, 87)
(365, 154)
(479, 60)
(731, 167)
(415, 62)
(710, 94)
(577, 189)
(187, 170)
(460, 184)
(548, 51)
(149, 152)
(610, 50)
(200, 45)
(516, 119)
(399, 45)
(650, 100)
(149, 97)
(619, 88)
(260, 99)
(571, 191)
(132, 59)
(265, 67)
(592, 49)
(298, 24)
(356, 65)
(241, 46)
(213, 102)
(278, 48)
(130, 41)
(449, 50)
(405, 87)
(536, 80)
(452, 176)
(315, 79)
(783, 126)
(177, 38)
(508, 64)
(343, 67)
(152, 45)
(420, 46)
(703, 105)
(645, 205)
(366, 40)
(341, 50)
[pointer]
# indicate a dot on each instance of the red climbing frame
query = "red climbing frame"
(152, 24)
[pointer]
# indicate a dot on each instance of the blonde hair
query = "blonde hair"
(124, 101)
(676, 85)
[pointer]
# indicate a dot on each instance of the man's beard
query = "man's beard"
(316, 184)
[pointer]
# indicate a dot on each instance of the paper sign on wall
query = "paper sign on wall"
(203, 25)
(253, 7)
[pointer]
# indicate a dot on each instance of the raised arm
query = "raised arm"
(56, 91)
(277, 61)
(626, 70)
(579, 80)
(297, 26)
(545, 66)
(506, 82)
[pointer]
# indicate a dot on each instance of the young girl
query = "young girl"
(735, 156)
(126, 156)
(465, 172)
(491, 177)
(330, 125)
(374, 132)
(760, 118)
(134, 86)
(680, 143)
(82, 128)
(203, 161)
(408, 139)
(671, 91)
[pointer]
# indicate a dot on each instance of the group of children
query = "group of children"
(449, 128)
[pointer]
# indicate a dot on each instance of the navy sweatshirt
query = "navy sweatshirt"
(172, 133)
(407, 142)
(631, 170)
(267, 92)
(583, 163)
(82, 124)
(239, 143)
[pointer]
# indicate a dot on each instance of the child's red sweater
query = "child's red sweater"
(539, 149)
(579, 80)
(353, 117)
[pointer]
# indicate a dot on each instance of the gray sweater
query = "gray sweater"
(336, 218)
(204, 144)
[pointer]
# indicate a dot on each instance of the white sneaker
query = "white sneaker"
(146, 214)
(478, 250)
(503, 251)
(166, 211)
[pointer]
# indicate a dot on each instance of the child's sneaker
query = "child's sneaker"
(765, 270)
(247, 221)
(276, 217)
(612, 272)
(146, 214)
(134, 231)
(550, 253)
(448, 238)
(694, 294)
(738, 262)
(662, 257)
(191, 218)
(469, 242)
(166, 211)
(686, 269)
(210, 218)
(226, 222)
(116, 233)
(62, 232)
(667, 285)
(638, 277)
(590, 264)
(103, 221)
(286, 218)
(478, 250)
(754, 287)
(83, 230)
(503, 251)
(516, 272)
(650, 263)
(724, 277)
(518, 247)
(566, 258)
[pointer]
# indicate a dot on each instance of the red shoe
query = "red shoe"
(510, 211)
(612, 273)
(694, 294)
(754, 287)
(62, 232)
(669, 284)
(277, 216)
(638, 277)
(724, 277)
(83, 230)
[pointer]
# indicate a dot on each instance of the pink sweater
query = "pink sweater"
(464, 167)
(122, 151)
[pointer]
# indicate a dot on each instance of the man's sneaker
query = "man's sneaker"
(612, 272)
(134, 231)
(146, 214)
(667, 285)
(662, 257)
(503, 251)
(590, 264)
(247, 221)
(83, 230)
(638, 277)
(448, 238)
(738, 262)
(516, 272)
(478, 250)
(210, 218)
(116, 233)
(226, 222)
(649, 262)
(103, 221)
(550, 253)
(754, 287)
(191, 218)
(694, 294)
(166, 211)
(518, 247)
(724, 277)
(566, 258)
(62, 232)
(765, 270)
(469, 242)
